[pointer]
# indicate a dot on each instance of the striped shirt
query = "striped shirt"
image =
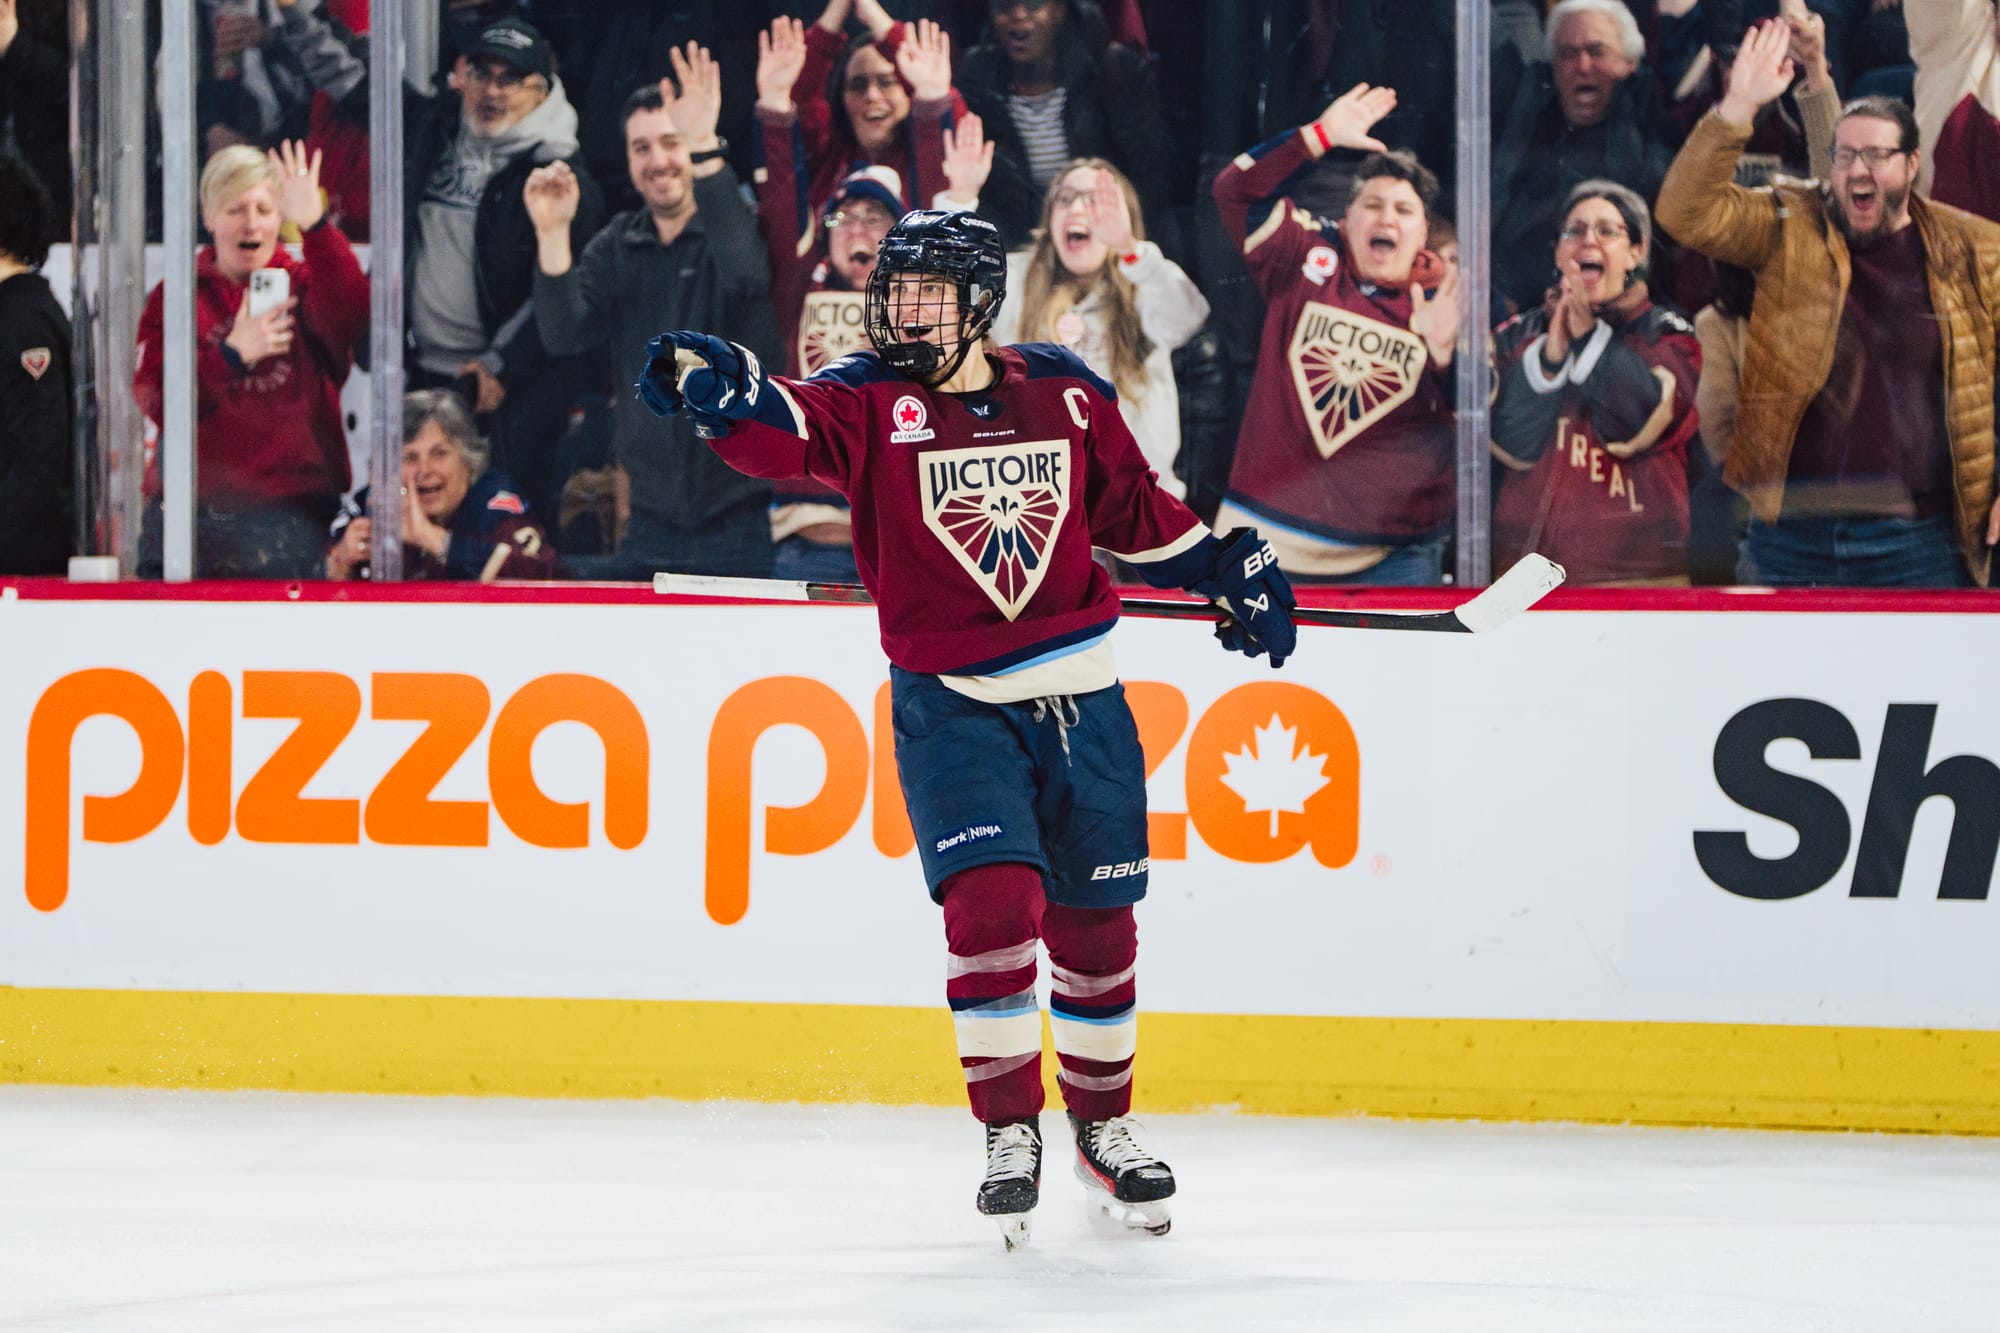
(1039, 119)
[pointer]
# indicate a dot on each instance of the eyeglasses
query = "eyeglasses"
(1064, 198)
(1578, 232)
(1032, 6)
(506, 80)
(1874, 157)
(858, 217)
(860, 84)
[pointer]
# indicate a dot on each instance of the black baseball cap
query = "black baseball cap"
(517, 42)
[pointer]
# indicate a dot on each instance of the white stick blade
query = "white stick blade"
(1532, 578)
(710, 585)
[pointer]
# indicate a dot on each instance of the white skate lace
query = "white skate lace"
(1010, 1153)
(1065, 710)
(1114, 1144)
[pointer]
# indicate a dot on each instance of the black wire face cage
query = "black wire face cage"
(925, 338)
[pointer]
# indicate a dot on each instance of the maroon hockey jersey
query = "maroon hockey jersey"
(1348, 432)
(975, 514)
(1596, 448)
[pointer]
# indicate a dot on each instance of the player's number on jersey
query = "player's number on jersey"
(529, 541)
(1074, 400)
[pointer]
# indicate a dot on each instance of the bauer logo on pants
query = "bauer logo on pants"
(1351, 371)
(997, 508)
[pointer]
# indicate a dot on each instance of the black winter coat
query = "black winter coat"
(1112, 111)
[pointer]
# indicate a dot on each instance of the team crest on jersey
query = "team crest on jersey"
(1320, 263)
(909, 416)
(830, 327)
(1351, 371)
(997, 508)
(36, 362)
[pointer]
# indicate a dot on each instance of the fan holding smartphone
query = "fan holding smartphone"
(275, 333)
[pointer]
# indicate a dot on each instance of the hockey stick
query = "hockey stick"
(1531, 578)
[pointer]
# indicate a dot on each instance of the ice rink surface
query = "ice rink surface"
(239, 1211)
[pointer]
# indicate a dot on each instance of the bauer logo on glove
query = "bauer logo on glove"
(709, 380)
(1249, 586)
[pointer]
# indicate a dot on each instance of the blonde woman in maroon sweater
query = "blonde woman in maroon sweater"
(271, 454)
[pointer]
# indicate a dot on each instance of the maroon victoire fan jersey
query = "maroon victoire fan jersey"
(1596, 448)
(819, 320)
(1348, 432)
(975, 514)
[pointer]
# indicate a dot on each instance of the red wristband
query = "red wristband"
(1319, 132)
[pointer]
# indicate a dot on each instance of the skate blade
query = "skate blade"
(1154, 1218)
(1014, 1230)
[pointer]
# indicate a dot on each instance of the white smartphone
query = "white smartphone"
(269, 289)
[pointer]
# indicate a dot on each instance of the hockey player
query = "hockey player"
(1346, 457)
(980, 478)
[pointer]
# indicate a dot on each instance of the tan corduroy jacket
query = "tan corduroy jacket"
(1788, 239)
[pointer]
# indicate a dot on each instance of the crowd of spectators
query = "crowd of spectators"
(1745, 272)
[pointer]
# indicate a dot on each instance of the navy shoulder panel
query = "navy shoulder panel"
(854, 370)
(1049, 361)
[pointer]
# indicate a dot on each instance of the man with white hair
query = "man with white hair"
(1588, 114)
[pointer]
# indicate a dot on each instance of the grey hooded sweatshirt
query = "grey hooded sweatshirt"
(444, 297)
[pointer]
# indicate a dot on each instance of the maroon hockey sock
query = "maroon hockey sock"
(1093, 1005)
(992, 919)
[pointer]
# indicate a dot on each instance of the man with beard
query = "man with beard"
(470, 247)
(689, 254)
(1864, 437)
(1345, 460)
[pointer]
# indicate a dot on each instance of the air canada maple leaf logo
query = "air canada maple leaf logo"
(1279, 776)
(997, 509)
(1351, 371)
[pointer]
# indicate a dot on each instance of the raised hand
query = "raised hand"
(10, 24)
(1350, 116)
(1110, 218)
(1436, 319)
(968, 160)
(874, 18)
(1808, 46)
(552, 196)
(1762, 71)
(834, 17)
(924, 59)
(697, 103)
(255, 337)
(781, 55)
(299, 199)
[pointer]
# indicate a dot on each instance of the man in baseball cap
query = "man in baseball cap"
(471, 265)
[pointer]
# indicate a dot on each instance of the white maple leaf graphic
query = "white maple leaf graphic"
(1278, 775)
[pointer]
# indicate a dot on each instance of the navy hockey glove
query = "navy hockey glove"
(709, 380)
(1247, 583)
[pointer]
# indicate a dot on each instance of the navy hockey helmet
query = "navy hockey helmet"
(925, 336)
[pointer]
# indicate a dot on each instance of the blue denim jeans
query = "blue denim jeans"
(1418, 565)
(736, 543)
(815, 562)
(1852, 552)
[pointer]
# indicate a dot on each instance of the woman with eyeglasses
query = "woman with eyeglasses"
(882, 99)
(1595, 408)
(1093, 283)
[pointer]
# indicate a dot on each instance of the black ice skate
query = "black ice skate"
(1126, 1183)
(1013, 1181)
